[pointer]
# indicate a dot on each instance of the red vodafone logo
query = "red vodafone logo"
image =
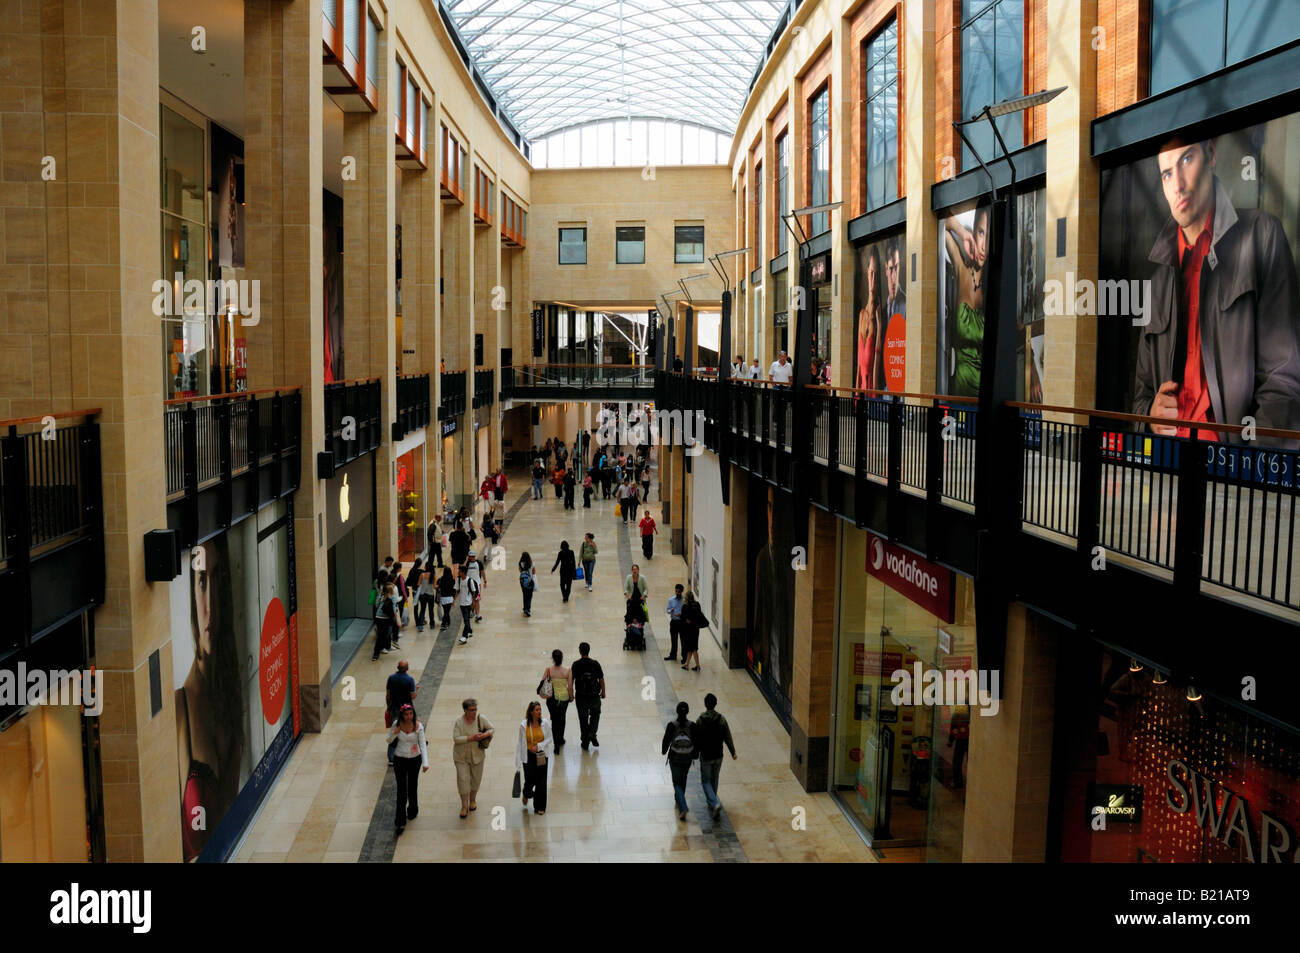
(877, 553)
(273, 661)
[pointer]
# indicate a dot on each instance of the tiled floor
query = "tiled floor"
(611, 804)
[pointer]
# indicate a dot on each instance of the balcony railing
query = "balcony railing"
(51, 523)
(352, 419)
(452, 399)
(414, 404)
(524, 378)
(484, 388)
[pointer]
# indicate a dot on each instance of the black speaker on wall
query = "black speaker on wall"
(162, 555)
(325, 465)
(537, 414)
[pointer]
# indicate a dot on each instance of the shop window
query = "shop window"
(573, 246)
(880, 116)
(688, 244)
(184, 244)
(629, 243)
(42, 788)
(1192, 38)
(782, 190)
(992, 70)
(819, 157)
(758, 213)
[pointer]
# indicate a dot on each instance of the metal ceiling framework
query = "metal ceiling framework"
(556, 64)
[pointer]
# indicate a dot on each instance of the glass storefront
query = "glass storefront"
(352, 560)
(900, 769)
(43, 788)
(411, 505)
(1156, 772)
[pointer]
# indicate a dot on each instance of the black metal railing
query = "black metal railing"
(414, 404)
(484, 388)
(451, 399)
(210, 439)
(352, 418)
(51, 522)
(531, 376)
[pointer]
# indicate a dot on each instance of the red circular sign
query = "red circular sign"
(273, 661)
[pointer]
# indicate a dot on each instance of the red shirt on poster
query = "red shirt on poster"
(1194, 395)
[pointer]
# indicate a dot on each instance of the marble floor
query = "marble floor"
(334, 800)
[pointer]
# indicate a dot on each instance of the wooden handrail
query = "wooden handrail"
(61, 415)
(353, 380)
(238, 393)
(945, 398)
(1162, 421)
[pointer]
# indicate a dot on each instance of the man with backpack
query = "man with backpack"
(679, 745)
(711, 733)
(588, 690)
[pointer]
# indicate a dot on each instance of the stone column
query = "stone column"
(735, 530)
(282, 181)
(812, 686)
(420, 197)
(918, 142)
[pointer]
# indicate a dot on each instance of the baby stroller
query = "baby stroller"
(634, 627)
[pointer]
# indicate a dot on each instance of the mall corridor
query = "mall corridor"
(334, 800)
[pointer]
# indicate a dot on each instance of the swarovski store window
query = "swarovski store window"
(350, 537)
(900, 769)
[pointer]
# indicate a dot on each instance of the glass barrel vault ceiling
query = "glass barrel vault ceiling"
(553, 64)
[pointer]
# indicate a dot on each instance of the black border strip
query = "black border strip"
(1030, 163)
(868, 225)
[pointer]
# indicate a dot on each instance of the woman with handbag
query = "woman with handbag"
(470, 737)
(535, 743)
(587, 556)
(446, 595)
(527, 581)
(556, 687)
(410, 757)
(692, 620)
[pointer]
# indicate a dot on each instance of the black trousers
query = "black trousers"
(588, 716)
(435, 553)
(648, 545)
(586, 497)
(559, 713)
(568, 498)
(535, 782)
(446, 614)
(407, 772)
(674, 631)
(566, 584)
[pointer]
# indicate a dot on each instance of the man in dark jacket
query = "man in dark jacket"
(459, 540)
(1222, 341)
(711, 733)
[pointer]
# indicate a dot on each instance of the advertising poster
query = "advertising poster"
(332, 241)
(228, 182)
(963, 253)
(769, 560)
(1217, 216)
(232, 674)
(880, 316)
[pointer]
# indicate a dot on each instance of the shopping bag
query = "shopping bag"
(618, 509)
(577, 573)
(518, 787)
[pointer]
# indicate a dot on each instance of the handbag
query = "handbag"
(483, 742)
(577, 573)
(544, 686)
(517, 788)
(388, 718)
(618, 509)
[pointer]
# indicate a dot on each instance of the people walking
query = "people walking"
(499, 515)
(527, 581)
(711, 733)
(569, 483)
(385, 612)
(587, 487)
(459, 542)
(679, 746)
(557, 480)
(565, 562)
(645, 481)
(648, 531)
(539, 474)
(674, 621)
(400, 690)
(635, 582)
(467, 594)
(413, 592)
(622, 500)
(692, 621)
(475, 571)
(587, 555)
(410, 756)
(433, 536)
(633, 499)
(470, 737)
(588, 690)
(557, 689)
(500, 485)
(446, 595)
(531, 752)
(399, 622)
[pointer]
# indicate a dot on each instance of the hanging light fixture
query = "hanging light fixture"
(1159, 678)
(1134, 665)
(1192, 694)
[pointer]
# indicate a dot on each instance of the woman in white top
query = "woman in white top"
(410, 757)
(534, 745)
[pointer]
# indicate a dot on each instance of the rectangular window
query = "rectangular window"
(880, 116)
(758, 213)
(629, 241)
(573, 246)
(688, 244)
(372, 52)
(819, 157)
(1191, 38)
(410, 114)
(992, 70)
(782, 190)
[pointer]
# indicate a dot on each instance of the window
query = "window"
(819, 157)
(629, 242)
(573, 246)
(1190, 38)
(782, 190)
(688, 244)
(880, 115)
(758, 213)
(992, 66)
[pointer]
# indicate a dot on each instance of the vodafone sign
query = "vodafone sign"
(928, 585)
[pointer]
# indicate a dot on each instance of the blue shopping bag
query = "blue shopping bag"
(577, 573)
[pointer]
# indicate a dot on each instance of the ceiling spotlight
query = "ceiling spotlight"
(1134, 665)
(1159, 678)
(1192, 694)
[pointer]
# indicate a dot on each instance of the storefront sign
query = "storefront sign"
(273, 661)
(539, 340)
(1119, 802)
(874, 663)
(1226, 816)
(448, 427)
(926, 584)
(820, 268)
(350, 496)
